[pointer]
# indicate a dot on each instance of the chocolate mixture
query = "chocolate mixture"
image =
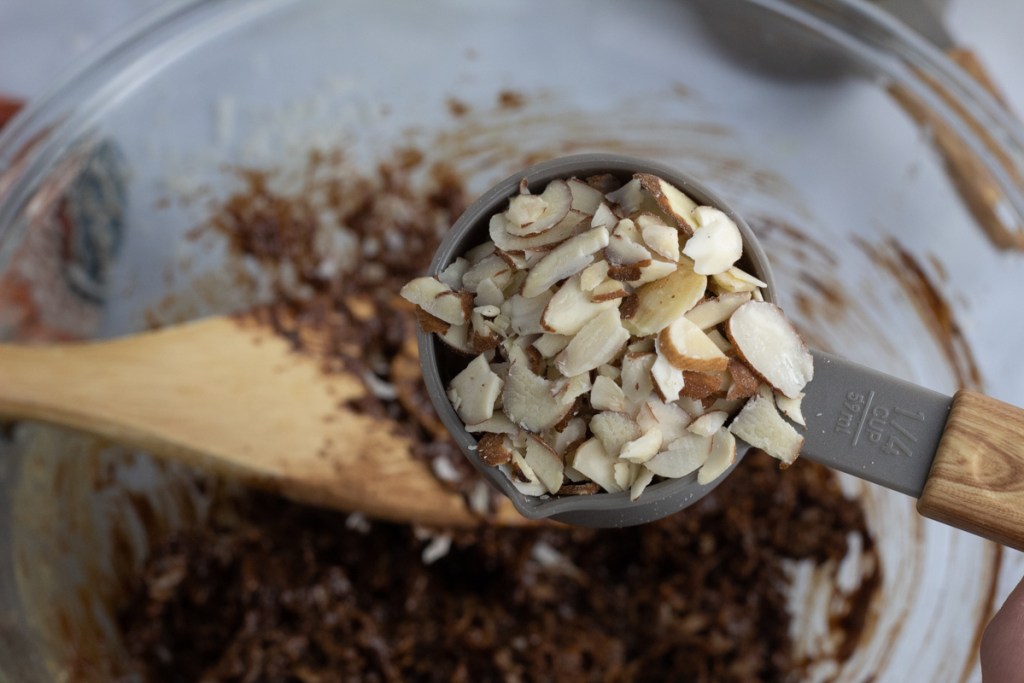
(275, 591)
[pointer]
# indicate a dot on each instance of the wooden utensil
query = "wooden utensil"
(233, 397)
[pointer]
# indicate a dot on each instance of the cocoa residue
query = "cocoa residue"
(931, 305)
(277, 591)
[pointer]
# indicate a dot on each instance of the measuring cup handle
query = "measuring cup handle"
(977, 478)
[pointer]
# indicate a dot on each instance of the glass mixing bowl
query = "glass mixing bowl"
(876, 256)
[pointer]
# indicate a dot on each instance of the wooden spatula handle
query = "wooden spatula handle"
(977, 478)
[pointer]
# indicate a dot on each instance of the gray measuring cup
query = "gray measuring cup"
(961, 456)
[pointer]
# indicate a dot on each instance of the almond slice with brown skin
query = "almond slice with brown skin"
(585, 198)
(571, 308)
(651, 271)
(662, 301)
(439, 300)
(761, 426)
(625, 245)
(744, 381)
(629, 198)
(770, 345)
(716, 310)
(557, 201)
(491, 267)
(702, 385)
(687, 347)
(545, 462)
(791, 407)
(507, 242)
(682, 457)
(495, 449)
(716, 245)
(736, 280)
(565, 260)
(608, 290)
(668, 379)
(525, 209)
(672, 201)
(721, 457)
(593, 275)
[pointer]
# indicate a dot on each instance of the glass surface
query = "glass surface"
(875, 255)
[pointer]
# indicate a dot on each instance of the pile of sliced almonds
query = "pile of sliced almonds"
(615, 340)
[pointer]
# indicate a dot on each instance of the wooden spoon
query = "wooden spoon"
(233, 397)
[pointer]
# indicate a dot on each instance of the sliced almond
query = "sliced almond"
(614, 430)
(672, 201)
(625, 245)
(687, 347)
(479, 252)
(474, 391)
(761, 426)
(495, 449)
(452, 275)
(599, 341)
(482, 336)
(625, 473)
(643, 448)
(716, 245)
(643, 479)
(651, 271)
(585, 198)
(636, 381)
(791, 407)
(609, 290)
(591, 460)
(499, 233)
(721, 458)
(682, 457)
(496, 424)
(429, 323)
(716, 310)
(668, 379)
(557, 201)
(523, 477)
(702, 385)
(610, 371)
(565, 260)
(669, 418)
(593, 275)
(630, 198)
(708, 423)
(660, 238)
(439, 300)
(525, 314)
(771, 347)
(457, 338)
(550, 344)
(573, 434)
(665, 300)
(607, 395)
(736, 280)
(525, 209)
(488, 293)
(546, 463)
(491, 267)
(530, 402)
(626, 273)
(744, 381)
(571, 308)
(604, 217)
(720, 340)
